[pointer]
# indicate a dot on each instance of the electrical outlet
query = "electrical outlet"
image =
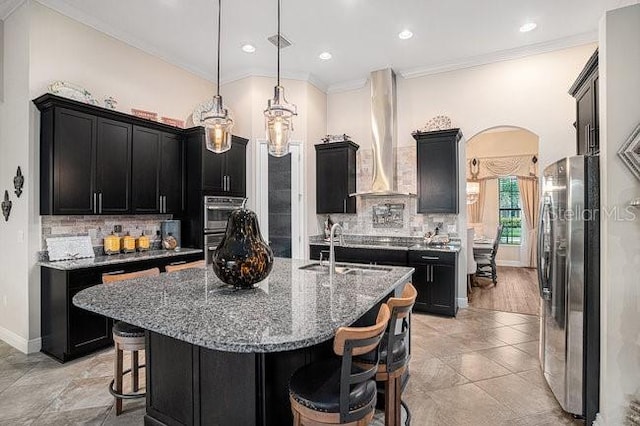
(4, 300)
(20, 236)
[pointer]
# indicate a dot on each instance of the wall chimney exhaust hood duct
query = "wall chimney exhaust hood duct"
(384, 134)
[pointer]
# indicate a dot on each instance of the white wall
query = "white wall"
(530, 93)
(15, 258)
(1, 60)
(47, 46)
(619, 67)
(248, 99)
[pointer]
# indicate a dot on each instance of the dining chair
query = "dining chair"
(487, 263)
(472, 265)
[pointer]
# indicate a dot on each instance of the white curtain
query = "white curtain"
(530, 200)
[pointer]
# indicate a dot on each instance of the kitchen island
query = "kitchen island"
(219, 356)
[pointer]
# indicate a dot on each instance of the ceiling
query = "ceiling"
(362, 35)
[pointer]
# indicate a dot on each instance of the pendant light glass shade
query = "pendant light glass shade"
(279, 123)
(218, 126)
(279, 114)
(217, 123)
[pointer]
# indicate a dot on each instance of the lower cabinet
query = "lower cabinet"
(436, 281)
(69, 332)
(435, 276)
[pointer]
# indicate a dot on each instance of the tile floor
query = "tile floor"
(478, 369)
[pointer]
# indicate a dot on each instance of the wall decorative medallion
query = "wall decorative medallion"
(18, 182)
(6, 206)
(439, 122)
(242, 258)
(630, 152)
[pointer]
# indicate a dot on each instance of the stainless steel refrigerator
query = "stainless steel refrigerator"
(568, 276)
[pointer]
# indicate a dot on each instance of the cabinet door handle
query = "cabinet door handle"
(114, 272)
(227, 179)
(586, 136)
(430, 257)
(100, 203)
(164, 204)
(344, 205)
(95, 202)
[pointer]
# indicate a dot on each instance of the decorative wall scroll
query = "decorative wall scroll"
(494, 167)
(6, 206)
(630, 152)
(18, 182)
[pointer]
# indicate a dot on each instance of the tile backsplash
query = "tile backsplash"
(98, 227)
(413, 224)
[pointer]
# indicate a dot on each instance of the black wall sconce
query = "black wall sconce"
(6, 206)
(18, 182)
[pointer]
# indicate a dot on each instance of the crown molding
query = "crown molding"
(72, 12)
(7, 7)
(347, 86)
(503, 55)
(271, 73)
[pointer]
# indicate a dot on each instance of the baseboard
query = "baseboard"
(599, 421)
(513, 263)
(34, 345)
(463, 302)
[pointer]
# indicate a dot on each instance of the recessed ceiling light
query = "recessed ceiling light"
(529, 26)
(248, 48)
(325, 56)
(405, 35)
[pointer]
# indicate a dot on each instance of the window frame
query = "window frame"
(507, 237)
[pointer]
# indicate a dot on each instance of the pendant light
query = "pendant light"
(279, 114)
(216, 122)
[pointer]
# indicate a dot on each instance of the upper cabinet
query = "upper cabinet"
(438, 186)
(225, 174)
(336, 177)
(99, 161)
(585, 91)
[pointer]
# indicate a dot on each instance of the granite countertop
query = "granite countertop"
(393, 245)
(291, 309)
(68, 265)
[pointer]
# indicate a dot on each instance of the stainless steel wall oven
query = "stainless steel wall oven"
(216, 213)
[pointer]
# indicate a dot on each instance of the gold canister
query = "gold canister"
(111, 244)
(143, 243)
(128, 244)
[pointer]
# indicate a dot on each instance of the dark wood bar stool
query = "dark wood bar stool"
(199, 264)
(393, 363)
(336, 391)
(127, 337)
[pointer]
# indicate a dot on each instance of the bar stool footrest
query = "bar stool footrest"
(126, 395)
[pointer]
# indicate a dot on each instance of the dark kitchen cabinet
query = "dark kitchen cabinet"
(113, 167)
(70, 147)
(99, 161)
(436, 281)
(585, 91)
(172, 174)
(146, 173)
(157, 172)
(437, 171)
(69, 332)
(209, 174)
(336, 177)
(225, 174)
(361, 255)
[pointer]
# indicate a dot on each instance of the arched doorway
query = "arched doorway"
(502, 196)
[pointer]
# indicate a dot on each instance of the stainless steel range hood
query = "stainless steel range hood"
(384, 133)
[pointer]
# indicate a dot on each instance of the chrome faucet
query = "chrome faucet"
(332, 251)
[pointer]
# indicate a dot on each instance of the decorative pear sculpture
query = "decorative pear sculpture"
(242, 258)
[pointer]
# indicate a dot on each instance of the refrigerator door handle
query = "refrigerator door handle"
(545, 292)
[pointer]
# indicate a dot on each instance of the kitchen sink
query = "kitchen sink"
(346, 269)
